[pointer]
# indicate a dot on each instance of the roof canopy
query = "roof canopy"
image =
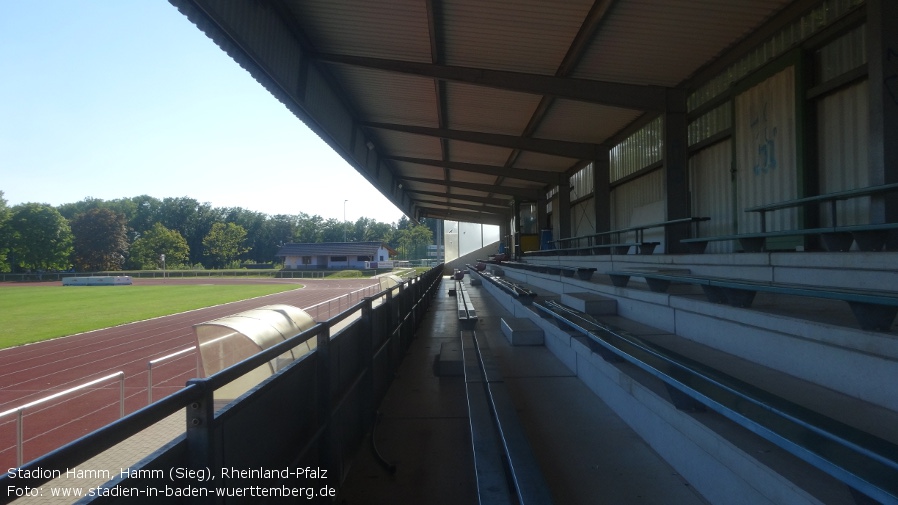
(452, 108)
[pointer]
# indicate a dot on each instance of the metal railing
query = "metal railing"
(20, 410)
(162, 360)
(339, 301)
(332, 401)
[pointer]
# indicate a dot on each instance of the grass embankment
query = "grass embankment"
(35, 313)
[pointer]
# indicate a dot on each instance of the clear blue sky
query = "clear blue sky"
(119, 98)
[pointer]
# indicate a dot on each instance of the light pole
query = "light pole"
(344, 220)
(162, 257)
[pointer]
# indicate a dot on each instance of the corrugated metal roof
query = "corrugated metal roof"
(357, 71)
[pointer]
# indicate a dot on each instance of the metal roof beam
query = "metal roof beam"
(449, 206)
(575, 150)
(512, 173)
(467, 217)
(496, 202)
(486, 188)
(614, 94)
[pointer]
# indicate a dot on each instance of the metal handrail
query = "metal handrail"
(156, 361)
(861, 460)
(328, 302)
(20, 410)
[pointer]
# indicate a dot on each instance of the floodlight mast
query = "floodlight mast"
(162, 257)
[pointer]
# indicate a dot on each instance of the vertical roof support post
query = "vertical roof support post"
(518, 227)
(505, 231)
(601, 190)
(882, 67)
(676, 163)
(564, 206)
(542, 217)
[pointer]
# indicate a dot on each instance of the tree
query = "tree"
(259, 249)
(192, 219)
(309, 229)
(369, 230)
(5, 234)
(413, 241)
(41, 238)
(147, 250)
(224, 243)
(101, 240)
(333, 230)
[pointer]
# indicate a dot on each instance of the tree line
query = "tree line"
(134, 233)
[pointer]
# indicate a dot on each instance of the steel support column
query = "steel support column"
(676, 163)
(601, 190)
(882, 58)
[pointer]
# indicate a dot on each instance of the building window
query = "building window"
(306, 260)
(338, 258)
(381, 257)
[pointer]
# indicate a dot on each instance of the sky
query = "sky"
(112, 99)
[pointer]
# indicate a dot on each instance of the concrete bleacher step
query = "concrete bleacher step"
(591, 303)
(449, 362)
(522, 331)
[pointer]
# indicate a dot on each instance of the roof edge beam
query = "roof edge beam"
(614, 94)
(486, 188)
(461, 206)
(511, 173)
(495, 202)
(575, 150)
(466, 217)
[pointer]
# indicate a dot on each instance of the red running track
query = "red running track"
(35, 371)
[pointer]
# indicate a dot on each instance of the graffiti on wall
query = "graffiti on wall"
(763, 135)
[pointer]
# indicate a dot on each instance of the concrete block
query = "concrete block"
(449, 362)
(591, 303)
(522, 331)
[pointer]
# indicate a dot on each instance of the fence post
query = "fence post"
(325, 443)
(368, 347)
(202, 448)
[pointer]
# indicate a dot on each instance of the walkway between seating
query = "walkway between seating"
(587, 453)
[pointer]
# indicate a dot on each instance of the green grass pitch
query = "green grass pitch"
(35, 313)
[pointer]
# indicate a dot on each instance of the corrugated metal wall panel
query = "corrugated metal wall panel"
(583, 217)
(765, 152)
(582, 183)
(843, 121)
(641, 149)
(637, 193)
(711, 188)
